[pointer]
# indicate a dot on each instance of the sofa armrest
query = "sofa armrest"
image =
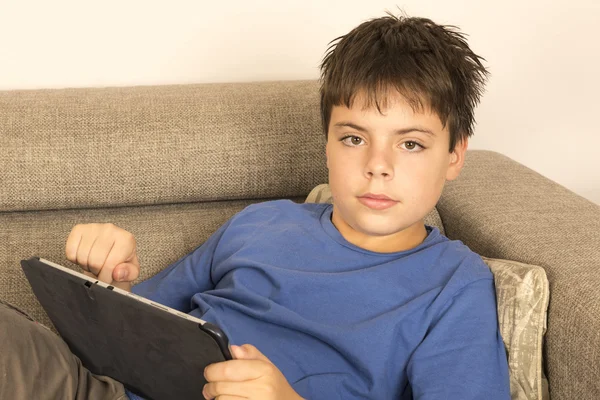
(502, 209)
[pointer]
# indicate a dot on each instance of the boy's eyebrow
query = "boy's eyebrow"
(397, 131)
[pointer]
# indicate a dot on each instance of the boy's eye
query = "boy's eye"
(410, 145)
(352, 140)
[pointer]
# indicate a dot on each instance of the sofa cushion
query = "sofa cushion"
(522, 291)
(322, 194)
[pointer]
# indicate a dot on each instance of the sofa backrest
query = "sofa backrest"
(111, 147)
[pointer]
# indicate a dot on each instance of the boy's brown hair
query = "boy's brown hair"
(430, 65)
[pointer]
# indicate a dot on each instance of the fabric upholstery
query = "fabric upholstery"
(110, 147)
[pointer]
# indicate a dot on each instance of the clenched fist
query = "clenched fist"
(105, 252)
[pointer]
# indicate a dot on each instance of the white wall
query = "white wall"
(541, 107)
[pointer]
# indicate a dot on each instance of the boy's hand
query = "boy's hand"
(250, 376)
(105, 252)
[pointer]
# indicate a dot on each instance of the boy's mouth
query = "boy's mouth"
(376, 201)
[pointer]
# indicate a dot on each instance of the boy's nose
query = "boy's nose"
(379, 164)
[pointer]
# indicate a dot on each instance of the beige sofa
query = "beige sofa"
(172, 163)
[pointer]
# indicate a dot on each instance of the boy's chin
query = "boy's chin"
(372, 223)
(385, 226)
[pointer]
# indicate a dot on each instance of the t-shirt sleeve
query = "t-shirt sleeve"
(463, 355)
(175, 285)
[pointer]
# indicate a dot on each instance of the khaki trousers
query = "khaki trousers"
(37, 364)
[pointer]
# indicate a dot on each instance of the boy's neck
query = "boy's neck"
(406, 239)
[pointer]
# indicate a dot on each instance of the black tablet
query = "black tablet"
(155, 351)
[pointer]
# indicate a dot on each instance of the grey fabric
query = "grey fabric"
(36, 364)
(502, 209)
(85, 148)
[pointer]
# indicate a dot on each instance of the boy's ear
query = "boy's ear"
(457, 159)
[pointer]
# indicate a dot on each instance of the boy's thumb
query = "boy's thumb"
(238, 352)
(125, 273)
(248, 352)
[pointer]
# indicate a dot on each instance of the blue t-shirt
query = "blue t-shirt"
(339, 321)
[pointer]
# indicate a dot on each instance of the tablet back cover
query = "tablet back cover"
(155, 354)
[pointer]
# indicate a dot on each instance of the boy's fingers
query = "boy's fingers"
(249, 352)
(235, 370)
(73, 243)
(117, 255)
(104, 251)
(83, 251)
(122, 260)
(224, 390)
(105, 274)
(226, 397)
(99, 253)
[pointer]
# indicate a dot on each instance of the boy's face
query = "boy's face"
(368, 157)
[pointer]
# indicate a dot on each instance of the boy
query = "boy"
(358, 299)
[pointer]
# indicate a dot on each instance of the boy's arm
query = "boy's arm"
(463, 356)
(175, 285)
